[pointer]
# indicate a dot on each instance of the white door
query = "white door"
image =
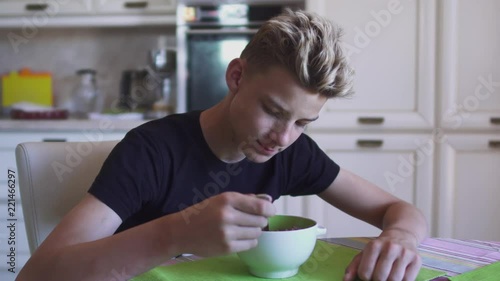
(469, 187)
(470, 88)
(391, 45)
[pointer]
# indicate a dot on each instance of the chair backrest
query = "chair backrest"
(53, 178)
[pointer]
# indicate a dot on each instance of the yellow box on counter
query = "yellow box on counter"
(27, 86)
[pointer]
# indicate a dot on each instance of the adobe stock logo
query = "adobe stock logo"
(45, 10)
(381, 19)
(322, 252)
(119, 276)
(219, 181)
(457, 113)
(75, 156)
(453, 119)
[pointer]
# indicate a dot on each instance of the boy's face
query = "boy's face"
(269, 111)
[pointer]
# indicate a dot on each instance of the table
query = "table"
(452, 256)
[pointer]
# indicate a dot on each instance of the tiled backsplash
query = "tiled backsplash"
(63, 51)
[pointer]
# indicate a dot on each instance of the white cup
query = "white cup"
(284, 248)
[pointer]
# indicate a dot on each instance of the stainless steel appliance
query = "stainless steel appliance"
(209, 35)
(163, 62)
(149, 89)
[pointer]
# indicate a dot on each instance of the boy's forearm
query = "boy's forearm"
(405, 218)
(118, 257)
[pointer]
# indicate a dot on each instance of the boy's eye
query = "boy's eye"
(272, 112)
(301, 124)
(276, 113)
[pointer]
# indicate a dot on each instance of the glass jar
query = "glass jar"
(86, 96)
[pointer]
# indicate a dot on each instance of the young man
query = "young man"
(186, 183)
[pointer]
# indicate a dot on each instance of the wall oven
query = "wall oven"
(209, 35)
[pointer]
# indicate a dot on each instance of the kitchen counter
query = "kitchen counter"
(68, 125)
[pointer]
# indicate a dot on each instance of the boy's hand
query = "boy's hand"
(226, 223)
(392, 256)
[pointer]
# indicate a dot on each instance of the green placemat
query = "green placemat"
(328, 262)
(489, 272)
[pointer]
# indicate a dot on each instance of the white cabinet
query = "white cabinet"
(470, 88)
(469, 187)
(416, 76)
(78, 7)
(468, 182)
(42, 10)
(384, 132)
(391, 45)
(135, 6)
(30, 14)
(401, 164)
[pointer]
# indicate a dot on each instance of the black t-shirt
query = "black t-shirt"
(165, 166)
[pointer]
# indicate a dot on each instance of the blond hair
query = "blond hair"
(308, 46)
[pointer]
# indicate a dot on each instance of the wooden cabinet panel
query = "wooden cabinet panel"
(391, 46)
(8, 160)
(469, 187)
(30, 14)
(470, 85)
(400, 164)
(136, 6)
(41, 11)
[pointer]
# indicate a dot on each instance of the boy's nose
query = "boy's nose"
(282, 135)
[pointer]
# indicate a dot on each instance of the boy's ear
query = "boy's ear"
(234, 74)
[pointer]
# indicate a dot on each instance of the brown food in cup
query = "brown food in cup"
(286, 229)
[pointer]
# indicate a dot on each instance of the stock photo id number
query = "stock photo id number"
(11, 221)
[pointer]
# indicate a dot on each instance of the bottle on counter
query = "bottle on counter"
(86, 97)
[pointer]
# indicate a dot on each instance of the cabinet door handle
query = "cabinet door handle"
(495, 120)
(54, 140)
(370, 143)
(371, 120)
(136, 5)
(36, 7)
(494, 143)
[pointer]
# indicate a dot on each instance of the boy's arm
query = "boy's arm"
(83, 247)
(394, 252)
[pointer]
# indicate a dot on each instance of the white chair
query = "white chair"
(53, 178)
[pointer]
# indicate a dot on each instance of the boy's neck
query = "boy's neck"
(217, 131)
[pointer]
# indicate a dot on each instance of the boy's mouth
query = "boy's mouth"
(266, 149)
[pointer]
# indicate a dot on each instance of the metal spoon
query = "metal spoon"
(268, 198)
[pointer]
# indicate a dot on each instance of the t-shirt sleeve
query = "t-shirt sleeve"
(129, 176)
(310, 170)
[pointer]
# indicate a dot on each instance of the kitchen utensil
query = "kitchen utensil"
(267, 198)
(162, 60)
(139, 89)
